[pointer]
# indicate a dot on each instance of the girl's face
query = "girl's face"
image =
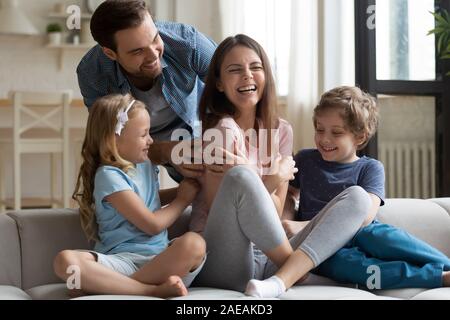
(134, 141)
(333, 140)
(242, 78)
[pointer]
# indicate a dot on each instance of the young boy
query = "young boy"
(344, 121)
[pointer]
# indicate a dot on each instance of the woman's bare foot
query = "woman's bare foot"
(446, 279)
(293, 227)
(173, 287)
(76, 293)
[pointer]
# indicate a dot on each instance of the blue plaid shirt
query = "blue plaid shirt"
(185, 62)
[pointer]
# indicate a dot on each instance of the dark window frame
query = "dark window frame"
(366, 79)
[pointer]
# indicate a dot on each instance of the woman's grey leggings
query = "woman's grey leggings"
(243, 213)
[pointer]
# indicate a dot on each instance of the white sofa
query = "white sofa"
(30, 239)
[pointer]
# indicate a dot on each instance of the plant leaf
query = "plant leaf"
(439, 18)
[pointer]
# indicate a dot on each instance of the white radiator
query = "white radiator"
(410, 169)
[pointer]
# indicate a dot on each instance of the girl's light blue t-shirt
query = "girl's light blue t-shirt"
(117, 234)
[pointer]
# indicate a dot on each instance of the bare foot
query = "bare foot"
(446, 279)
(173, 287)
(293, 227)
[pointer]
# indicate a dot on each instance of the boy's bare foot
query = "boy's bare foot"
(293, 227)
(173, 287)
(446, 279)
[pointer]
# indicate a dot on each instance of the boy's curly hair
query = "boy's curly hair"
(357, 108)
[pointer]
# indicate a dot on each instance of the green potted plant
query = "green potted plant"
(442, 33)
(54, 31)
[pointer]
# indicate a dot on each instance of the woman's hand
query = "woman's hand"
(187, 190)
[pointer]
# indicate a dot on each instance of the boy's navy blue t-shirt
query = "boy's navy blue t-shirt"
(320, 181)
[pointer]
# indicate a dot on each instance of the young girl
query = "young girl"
(344, 120)
(120, 208)
(239, 210)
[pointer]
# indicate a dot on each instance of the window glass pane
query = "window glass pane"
(404, 50)
(406, 145)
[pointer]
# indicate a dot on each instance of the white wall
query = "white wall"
(203, 14)
(26, 64)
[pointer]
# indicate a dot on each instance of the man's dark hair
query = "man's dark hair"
(115, 15)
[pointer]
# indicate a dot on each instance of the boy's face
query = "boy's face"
(134, 141)
(333, 140)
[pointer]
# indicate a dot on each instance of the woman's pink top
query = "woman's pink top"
(234, 138)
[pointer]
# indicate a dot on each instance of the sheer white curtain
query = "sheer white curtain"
(310, 44)
(321, 57)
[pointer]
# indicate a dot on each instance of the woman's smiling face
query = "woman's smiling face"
(242, 77)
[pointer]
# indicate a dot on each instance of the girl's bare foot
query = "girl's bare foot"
(446, 279)
(173, 287)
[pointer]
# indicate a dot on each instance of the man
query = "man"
(162, 64)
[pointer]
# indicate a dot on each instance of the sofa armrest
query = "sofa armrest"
(424, 219)
(10, 271)
(43, 233)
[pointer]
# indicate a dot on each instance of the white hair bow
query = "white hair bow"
(122, 118)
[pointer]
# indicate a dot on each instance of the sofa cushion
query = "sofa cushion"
(13, 293)
(116, 297)
(54, 291)
(9, 252)
(43, 233)
(200, 293)
(423, 218)
(326, 293)
(399, 293)
(434, 294)
(443, 202)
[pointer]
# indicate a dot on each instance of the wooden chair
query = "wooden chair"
(40, 125)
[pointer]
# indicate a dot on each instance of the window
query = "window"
(398, 63)
(404, 50)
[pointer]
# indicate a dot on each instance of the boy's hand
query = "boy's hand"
(293, 227)
(187, 190)
(284, 168)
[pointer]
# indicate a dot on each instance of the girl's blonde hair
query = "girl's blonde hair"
(99, 149)
(357, 108)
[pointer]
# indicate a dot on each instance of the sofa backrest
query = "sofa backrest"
(43, 233)
(428, 220)
(9, 252)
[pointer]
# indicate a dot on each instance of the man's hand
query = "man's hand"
(182, 155)
(230, 159)
(190, 170)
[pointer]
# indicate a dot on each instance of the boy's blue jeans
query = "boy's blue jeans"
(403, 260)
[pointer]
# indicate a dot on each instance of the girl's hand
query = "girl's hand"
(284, 168)
(187, 190)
